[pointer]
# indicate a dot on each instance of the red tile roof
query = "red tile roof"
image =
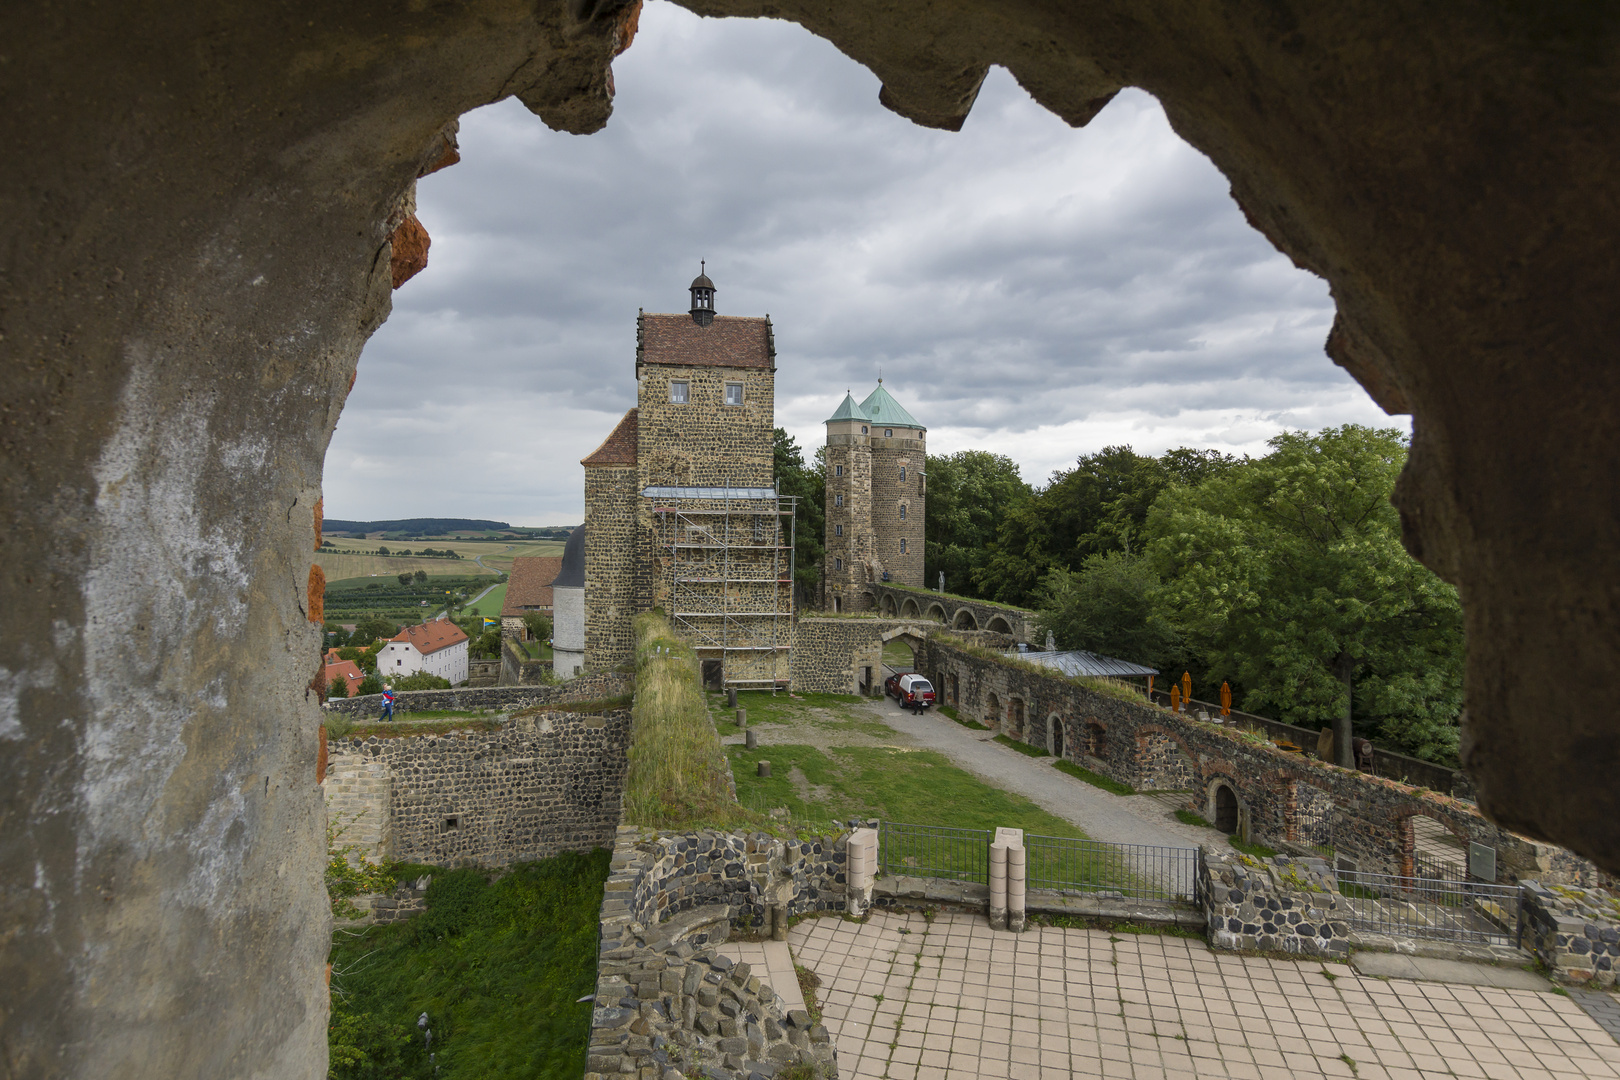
(618, 448)
(346, 672)
(530, 584)
(730, 341)
(430, 637)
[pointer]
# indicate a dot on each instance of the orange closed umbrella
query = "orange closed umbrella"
(1175, 698)
(1226, 699)
(1186, 686)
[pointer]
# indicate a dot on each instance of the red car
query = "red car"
(911, 690)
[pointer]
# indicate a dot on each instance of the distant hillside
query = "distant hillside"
(425, 526)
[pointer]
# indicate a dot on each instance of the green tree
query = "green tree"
(420, 577)
(1287, 574)
(538, 624)
(809, 484)
(421, 680)
(405, 577)
(337, 688)
(371, 684)
(381, 550)
(1110, 606)
(969, 493)
(487, 645)
(370, 630)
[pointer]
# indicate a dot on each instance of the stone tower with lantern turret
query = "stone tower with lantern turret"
(876, 499)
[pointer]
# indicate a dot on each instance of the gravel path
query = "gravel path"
(1117, 819)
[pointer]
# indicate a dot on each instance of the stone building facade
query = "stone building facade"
(877, 462)
(681, 510)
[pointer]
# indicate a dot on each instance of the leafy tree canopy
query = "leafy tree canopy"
(809, 484)
(1287, 574)
(968, 494)
(1109, 606)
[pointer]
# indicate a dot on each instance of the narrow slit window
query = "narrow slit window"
(902, 547)
(902, 511)
(902, 474)
(839, 500)
(838, 530)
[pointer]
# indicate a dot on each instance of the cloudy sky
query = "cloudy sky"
(1024, 287)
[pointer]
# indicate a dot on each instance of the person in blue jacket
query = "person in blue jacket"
(388, 703)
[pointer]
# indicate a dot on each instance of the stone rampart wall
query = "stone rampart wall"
(663, 997)
(1273, 905)
(518, 670)
(540, 785)
(1128, 740)
(593, 686)
(1575, 932)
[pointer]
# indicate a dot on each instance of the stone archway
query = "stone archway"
(1016, 719)
(992, 713)
(886, 606)
(999, 625)
(151, 378)
(1226, 809)
(964, 620)
(910, 609)
(935, 613)
(1055, 743)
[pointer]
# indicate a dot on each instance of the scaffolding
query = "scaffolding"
(726, 559)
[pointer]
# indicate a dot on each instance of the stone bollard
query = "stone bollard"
(731, 696)
(750, 740)
(1017, 874)
(779, 922)
(860, 853)
(763, 768)
(998, 886)
(742, 718)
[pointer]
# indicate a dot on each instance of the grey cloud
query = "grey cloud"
(1024, 287)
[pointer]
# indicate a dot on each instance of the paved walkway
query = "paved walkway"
(772, 961)
(952, 999)
(1117, 819)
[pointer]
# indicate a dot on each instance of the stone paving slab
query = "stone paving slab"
(908, 998)
(772, 961)
(1601, 1006)
(1396, 966)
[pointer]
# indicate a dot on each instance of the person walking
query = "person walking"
(387, 703)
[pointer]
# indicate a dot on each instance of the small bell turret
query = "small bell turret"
(702, 297)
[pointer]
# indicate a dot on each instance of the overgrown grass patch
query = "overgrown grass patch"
(1107, 783)
(1187, 817)
(893, 783)
(497, 968)
(677, 775)
(971, 725)
(1259, 851)
(1021, 747)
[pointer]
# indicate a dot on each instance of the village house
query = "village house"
(528, 592)
(345, 673)
(438, 648)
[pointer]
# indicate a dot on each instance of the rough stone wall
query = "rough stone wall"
(358, 805)
(518, 670)
(705, 442)
(1575, 932)
(1273, 905)
(830, 655)
(853, 453)
(541, 785)
(1369, 824)
(615, 577)
(1160, 762)
(906, 450)
(591, 687)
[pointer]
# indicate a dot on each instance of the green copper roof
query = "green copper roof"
(848, 411)
(883, 409)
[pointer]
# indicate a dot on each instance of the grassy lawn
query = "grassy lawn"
(915, 786)
(1107, 783)
(497, 968)
(490, 605)
(829, 712)
(1022, 747)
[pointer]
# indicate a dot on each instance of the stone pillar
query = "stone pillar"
(1017, 872)
(998, 885)
(860, 871)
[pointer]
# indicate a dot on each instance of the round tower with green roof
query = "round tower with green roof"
(876, 494)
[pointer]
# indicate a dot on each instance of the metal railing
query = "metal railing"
(935, 851)
(1060, 863)
(1138, 871)
(1391, 905)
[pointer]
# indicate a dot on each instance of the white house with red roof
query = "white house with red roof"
(438, 648)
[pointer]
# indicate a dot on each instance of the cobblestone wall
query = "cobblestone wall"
(1575, 932)
(541, 785)
(1370, 814)
(594, 686)
(1273, 905)
(614, 576)
(890, 494)
(849, 477)
(666, 1005)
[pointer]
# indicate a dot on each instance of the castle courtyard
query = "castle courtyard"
(908, 997)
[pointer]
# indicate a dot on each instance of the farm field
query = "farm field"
(490, 605)
(342, 560)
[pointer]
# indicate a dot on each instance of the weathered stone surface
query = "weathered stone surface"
(182, 321)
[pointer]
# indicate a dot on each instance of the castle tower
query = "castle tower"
(899, 458)
(849, 550)
(876, 490)
(681, 510)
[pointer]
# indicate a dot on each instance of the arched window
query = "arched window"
(902, 511)
(902, 474)
(902, 547)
